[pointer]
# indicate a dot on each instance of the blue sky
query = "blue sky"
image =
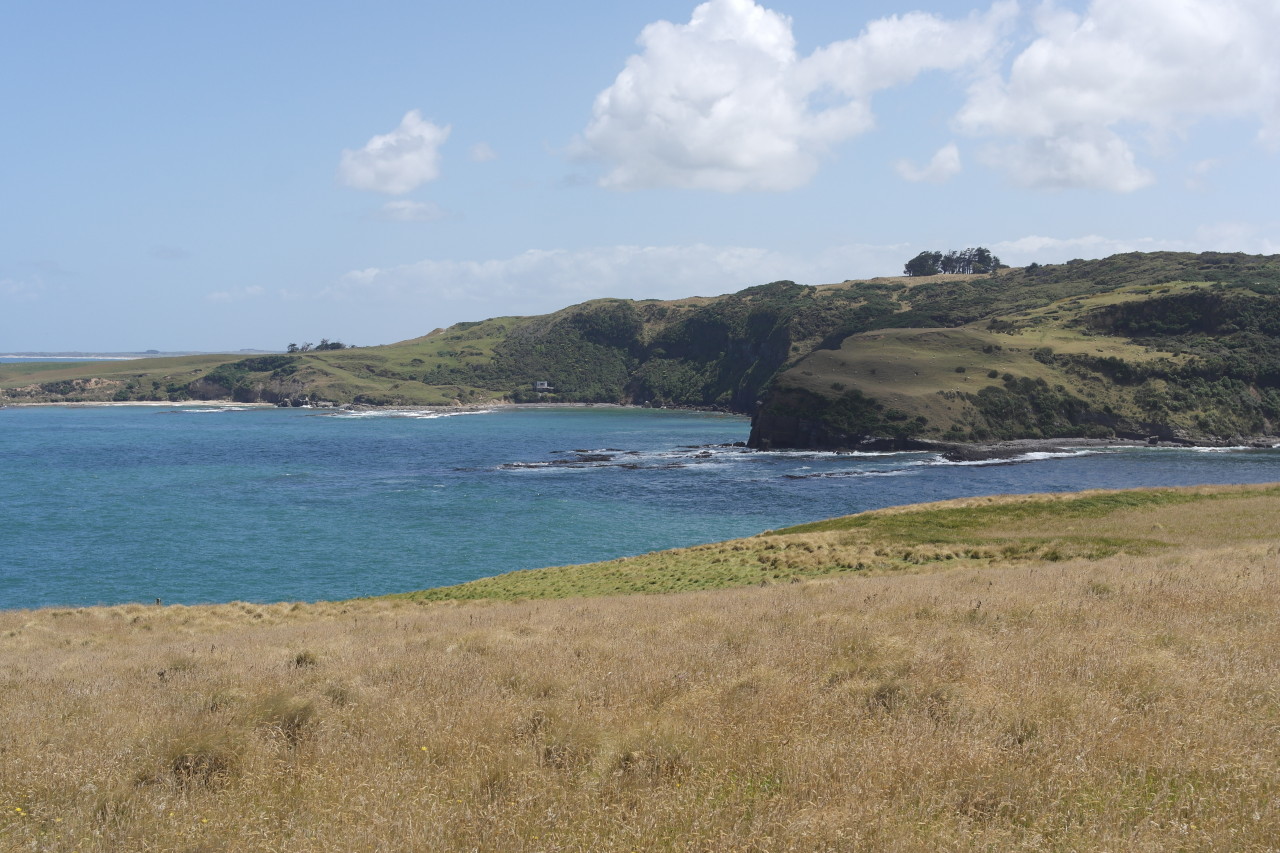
(231, 175)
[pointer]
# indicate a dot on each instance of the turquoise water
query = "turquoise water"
(208, 503)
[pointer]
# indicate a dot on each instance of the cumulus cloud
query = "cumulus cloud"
(402, 210)
(725, 103)
(396, 162)
(1073, 157)
(944, 164)
(1068, 110)
(1056, 250)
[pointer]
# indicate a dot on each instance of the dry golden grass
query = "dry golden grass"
(1124, 703)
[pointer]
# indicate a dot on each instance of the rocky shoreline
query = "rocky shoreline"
(1013, 448)
(950, 450)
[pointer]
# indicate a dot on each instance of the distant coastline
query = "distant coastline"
(75, 355)
(953, 451)
(14, 357)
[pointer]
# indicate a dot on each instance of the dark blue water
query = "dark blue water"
(202, 504)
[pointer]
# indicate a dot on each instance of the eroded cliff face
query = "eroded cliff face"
(772, 430)
(793, 425)
(289, 391)
(800, 418)
(91, 389)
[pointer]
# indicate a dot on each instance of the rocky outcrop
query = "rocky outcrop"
(773, 430)
(92, 389)
(797, 418)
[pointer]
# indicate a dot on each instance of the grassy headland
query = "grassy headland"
(1175, 345)
(988, 531)
(1092, 672)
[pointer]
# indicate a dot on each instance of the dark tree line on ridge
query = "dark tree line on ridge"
(325, 344)
(978, 260)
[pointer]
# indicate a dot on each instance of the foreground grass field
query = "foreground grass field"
(1126, 698)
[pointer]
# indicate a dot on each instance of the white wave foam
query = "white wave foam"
(708, 460)
(411, 414)
(431, 416)
(1150, 448)
(828, 454)
(214, 410)
(1033, 456)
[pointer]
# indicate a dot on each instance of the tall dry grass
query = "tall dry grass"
(1120, 704)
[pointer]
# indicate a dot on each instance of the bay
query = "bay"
(191, 504)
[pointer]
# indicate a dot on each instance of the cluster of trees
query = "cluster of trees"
(978, 260)
(325, 344)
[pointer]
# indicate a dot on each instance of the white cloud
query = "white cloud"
(1068, 109)
(1056, 250)
(482, 152)
(1253, 238)
(1073, 157)
(403, 210)
(541, 280)
(893, 51)
(725, 103)
(561, 276)
(944, 164)
(396, 162)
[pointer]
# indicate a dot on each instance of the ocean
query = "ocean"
(69, 359)
(200, 503)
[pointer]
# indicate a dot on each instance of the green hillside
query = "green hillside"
(996, 531)
(1175, 345)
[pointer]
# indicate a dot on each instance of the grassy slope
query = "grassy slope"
(378, 374)
(940, 374)
(17, 374)
(930, 372)
(1088, 703)
(975, 531)
(908, 367)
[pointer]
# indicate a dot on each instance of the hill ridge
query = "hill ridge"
(1172, 346)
